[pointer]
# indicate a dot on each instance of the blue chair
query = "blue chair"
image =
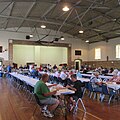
(85, 88)
(98, 90)
(91, 90)
(38, 104)
(106, 91)
(31, 92)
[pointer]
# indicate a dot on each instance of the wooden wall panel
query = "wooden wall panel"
(107, 64)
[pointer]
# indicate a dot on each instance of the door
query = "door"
(77, 64)
(0, 61)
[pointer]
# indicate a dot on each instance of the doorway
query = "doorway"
(77, 64)
(1, 60)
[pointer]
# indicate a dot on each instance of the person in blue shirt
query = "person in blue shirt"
(34, 72)
(9, 68)
(79, 75)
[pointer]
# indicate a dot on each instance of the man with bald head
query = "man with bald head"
(45, 96)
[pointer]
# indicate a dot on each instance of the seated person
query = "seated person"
(56, 74)
(40, 68)
(115, 71)
(77, 88)
(110, 70)
(96, 82)
(55, 66)
(115, 78)
(118, 73)
(85, 70)
(79, 75)
(21, 67)
(25, 67)
(34, 72)
(9, 68)
(63, 76)
(45, 96)
(104, 71)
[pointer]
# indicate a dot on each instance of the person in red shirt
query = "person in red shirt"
(41, 68)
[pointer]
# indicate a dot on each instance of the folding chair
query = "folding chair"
(38, 103)
(76, 106)
(91, 90)
(109, 92)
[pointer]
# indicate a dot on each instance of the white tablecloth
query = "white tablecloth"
(83, 79)
(101, 76)
(113, 86)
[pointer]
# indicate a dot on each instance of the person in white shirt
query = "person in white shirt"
(115, 78)
(63, 77)
(118, 74)
(115, 71)
(57, 74)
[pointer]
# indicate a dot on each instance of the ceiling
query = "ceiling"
(99, 19)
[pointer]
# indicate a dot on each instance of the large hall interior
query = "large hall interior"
(59, 59)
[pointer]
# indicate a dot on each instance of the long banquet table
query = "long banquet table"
(113, 85)
(83, 79)
(32, 81)
(101, 76)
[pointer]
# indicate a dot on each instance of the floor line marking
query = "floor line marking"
(90, 114)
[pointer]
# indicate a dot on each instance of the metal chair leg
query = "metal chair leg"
(91, 94)
(84, 91)
(94, 96)
(35, 110)
(76, 106)
(82, 104)
(110, 99)
(102, 98)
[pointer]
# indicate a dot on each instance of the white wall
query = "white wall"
(4, 37)
(76, 43)
(107, 49)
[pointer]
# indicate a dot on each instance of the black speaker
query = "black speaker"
(1, 49)
(77, 52)
(27, 37)
(56, 39)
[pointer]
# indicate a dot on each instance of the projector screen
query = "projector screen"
(23, 54)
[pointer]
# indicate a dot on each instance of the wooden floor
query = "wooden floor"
(15, 106)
